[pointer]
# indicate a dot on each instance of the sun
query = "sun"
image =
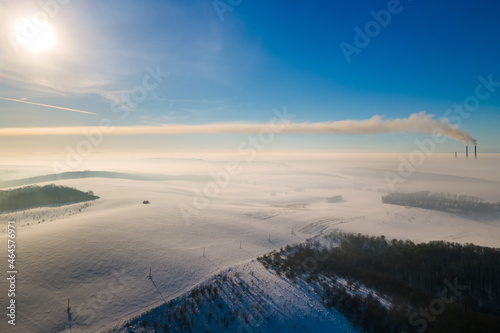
(35, 38)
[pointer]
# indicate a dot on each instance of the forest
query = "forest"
(37, 196)
(432, 287)
(446, 202)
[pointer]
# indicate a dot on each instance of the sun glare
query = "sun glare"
(35, 38)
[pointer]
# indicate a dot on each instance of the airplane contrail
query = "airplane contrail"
(45, 105)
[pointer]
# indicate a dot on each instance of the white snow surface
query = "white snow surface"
(271, 303)
(99, 258)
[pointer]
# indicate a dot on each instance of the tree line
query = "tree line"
(411, 275)
(442, 201)
(37, 196)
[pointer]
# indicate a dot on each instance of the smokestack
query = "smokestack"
(467, 151)
(455, 154)
(475, 151)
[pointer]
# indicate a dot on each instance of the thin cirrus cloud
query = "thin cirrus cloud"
(415, 123)
(46, 105)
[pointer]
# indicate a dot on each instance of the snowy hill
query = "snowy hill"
(321, 286)
(244, 298)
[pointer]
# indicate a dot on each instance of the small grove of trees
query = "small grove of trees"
(36, 196)
(411, 275)
(442, 201)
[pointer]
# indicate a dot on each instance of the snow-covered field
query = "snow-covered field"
(100, 256)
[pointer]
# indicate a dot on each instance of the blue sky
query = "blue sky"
(262, 55)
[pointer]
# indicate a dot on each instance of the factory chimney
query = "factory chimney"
(467, 152)
(475, 151)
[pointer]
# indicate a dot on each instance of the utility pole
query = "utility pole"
(68, 309)
(150, 276)
(203, 252)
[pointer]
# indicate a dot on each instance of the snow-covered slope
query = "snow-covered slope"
(244, 298)
(100, 257)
